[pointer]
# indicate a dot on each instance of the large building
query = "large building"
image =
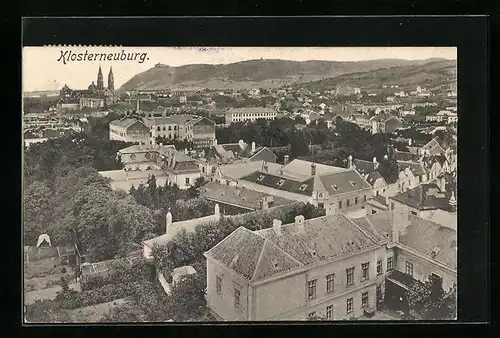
(249, 114)
(331, 266)
(197, 129)
(333, 188)
(129, 130)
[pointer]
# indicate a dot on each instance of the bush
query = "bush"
(71, 299)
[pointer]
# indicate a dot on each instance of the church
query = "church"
(95, 96)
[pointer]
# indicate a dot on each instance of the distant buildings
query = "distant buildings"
(446, 116)
(249, 114)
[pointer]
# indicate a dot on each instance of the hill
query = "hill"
(255, 73)
(432, 75)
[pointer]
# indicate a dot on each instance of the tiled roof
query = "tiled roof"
(300, 169)
(238, 196)
(280, 182)
(144, 148)
(172, 119)
(343, 182)
(417, 169)
(434, 146)
(125, 122)
(323, 238)
(239, 170)
(424, 197)
(380, 224)
(373, 177)
(262, 254)
(364, 167)
(444, 218)
(424, 236)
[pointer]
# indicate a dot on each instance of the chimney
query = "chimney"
(241, 143)
(286, 159)
(264, 166)
(169, 222)
(442, 184)
(400, 222)
(313, 169)
(453, 202)
(349, 162)
(253, 147)
(281, 171)
(375, 163)
(409, 142)
(217, 211)
(215, 142)
(299, 223)
(277, 227)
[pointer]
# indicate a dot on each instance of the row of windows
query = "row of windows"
(365, 275)
(236, 293)
(255, 115)
(159, 128)
(349, 306)
(348, 202)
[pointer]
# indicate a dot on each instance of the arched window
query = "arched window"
(132, 157)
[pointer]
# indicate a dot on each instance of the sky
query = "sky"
(50, 68)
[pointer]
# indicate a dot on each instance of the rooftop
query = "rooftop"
(125, 122)
(241, 197)
(416, 168)
(246, 110)
(424, 197)
(262, 254)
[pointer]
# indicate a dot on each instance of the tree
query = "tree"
(37, 211)
(187, 301)
(427, 300)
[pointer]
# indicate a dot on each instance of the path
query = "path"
(49, 293)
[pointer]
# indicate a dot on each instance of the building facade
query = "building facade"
(249, 114)
(129, 130)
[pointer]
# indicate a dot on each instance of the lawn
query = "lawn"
(94, 313)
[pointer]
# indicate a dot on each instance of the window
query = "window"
(353, 183)
(365, 271)
(364, 199)
(303, 187)
(158, 129)
(311, 314)
(187, 181)
(392, 206)
(356, 200)
(390, 263)
(350, 276)
(280, 183)
(364, 300)
(330, 283)
(348, 203)
(329, 312)
(379, 268)
(218, 285)
(340, 204)
(350, 302)
(164, 128)
(321, 205)
(132, 157)
(413, 213)
(261, 177)
(335, 187)
(311, 289)
(409, 268)
(236, 298)
(169, 128)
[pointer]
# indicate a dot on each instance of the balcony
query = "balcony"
(369, 312)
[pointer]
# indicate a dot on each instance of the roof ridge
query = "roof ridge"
(259, 260)
(372, 226)
(278, 247)
(359, 228)
(216, 245)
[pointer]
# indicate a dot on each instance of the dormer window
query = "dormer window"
(280, 183)
(434, 252)
(303, 187)
(261, 178)
(353, 183)
(335, 187)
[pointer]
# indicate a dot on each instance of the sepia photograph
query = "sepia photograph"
(239, 184)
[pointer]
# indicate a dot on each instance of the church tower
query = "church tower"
(111, 80)
(100, 80)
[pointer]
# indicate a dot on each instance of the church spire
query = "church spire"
(100, 81)
(111, 80)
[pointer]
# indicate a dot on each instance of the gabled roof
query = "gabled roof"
(434, 146)
(405, 156)
(280, 182)
(373, 177)
(300, 169)
(416, 168)
(364, 167)
(239, 170)
(344, 182)
(261, 254)
(424, 197)
(125, 122)
(238, 196)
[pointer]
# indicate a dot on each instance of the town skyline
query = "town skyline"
(43, 72)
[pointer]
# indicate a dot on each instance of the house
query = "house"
(196, 129)
(92, 102)
(362, 120)
(423, 199)
(249, 114)
(333, 188)
(417, 169)
(174, 228)
(346, 91)
(129, 130)
(369, 171)
(241, 150)
(326, 265)
(241, 199)
(417, 249)
(431, 148)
